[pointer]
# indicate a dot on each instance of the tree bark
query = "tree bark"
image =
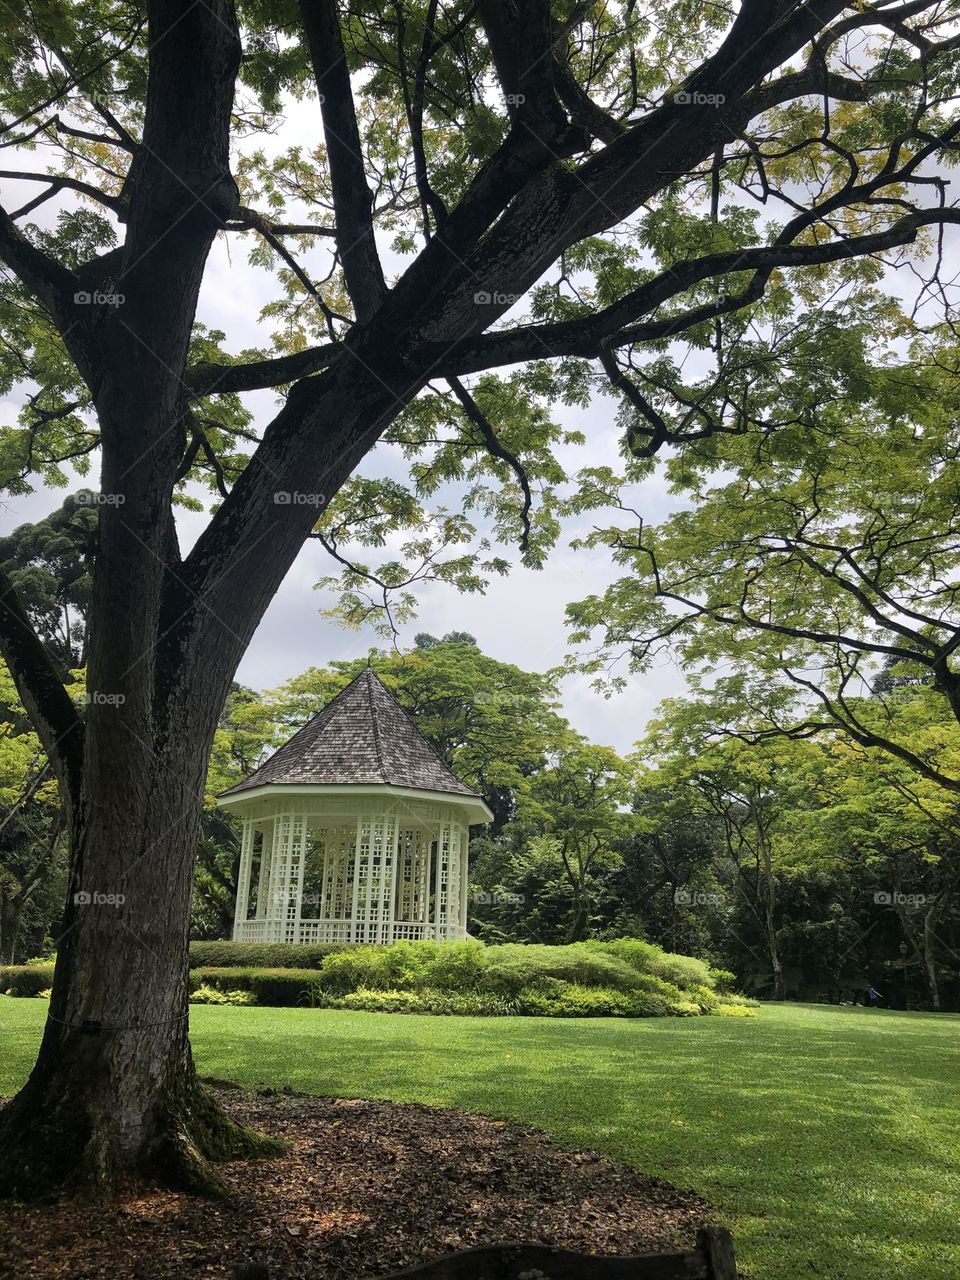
(770, 906)
(115, 1079)
(114, 1092)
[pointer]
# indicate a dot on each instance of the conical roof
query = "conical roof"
(362, 737)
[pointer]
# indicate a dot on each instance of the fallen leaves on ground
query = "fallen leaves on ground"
(364, 1189)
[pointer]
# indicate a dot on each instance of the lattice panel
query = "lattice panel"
(361, 881)
(263, 878)
(380, 878)
(243, 876)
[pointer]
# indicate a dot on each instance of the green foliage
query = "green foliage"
(581, 980)
(213, 995)
(511, 966)
(279, 987)
(645, 957)
(26, 979)
(723, 980)
(428, 1000)
(270, 955)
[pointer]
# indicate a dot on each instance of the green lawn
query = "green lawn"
(828, 1139)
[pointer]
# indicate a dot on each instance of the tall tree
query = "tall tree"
(749, 789)
(581, 803)
(49, 565)
(590, 181)
(31, 820)
(819, 563)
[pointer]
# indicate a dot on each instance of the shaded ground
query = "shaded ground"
(366, 1188)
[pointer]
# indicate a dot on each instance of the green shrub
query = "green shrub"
(464, 1004)
(381, 1001)
(683, 971)
(26, 979)
(212, 995)
(576, 1001)
(512, 967)
(725, 1010)
(639, 955)
(734, 997)
(376, 968)
(623, 978)
(453, 966)
(480, 1004)
(280, 988)
(723, 980)
(262, 955)
(705, 998)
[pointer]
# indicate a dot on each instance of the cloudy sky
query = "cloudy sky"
(521, 617)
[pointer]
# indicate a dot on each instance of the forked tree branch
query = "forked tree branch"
(352, 199)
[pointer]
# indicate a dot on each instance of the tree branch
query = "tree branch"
(352, 201)
(53, 715)
(499, 450)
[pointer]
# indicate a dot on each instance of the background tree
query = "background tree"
(567, 158)
(31, 826)
(823, 563)
(894, 835)
(753, 791)
(49, 565)
(580, 801)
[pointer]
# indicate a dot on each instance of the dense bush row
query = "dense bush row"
(261, 955)
(626, 978)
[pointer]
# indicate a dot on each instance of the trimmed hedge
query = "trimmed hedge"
(25, 979)
(627, 978)
(278, 987)
(622, 979)
(262, 955)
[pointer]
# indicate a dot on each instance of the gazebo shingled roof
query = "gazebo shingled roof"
(358, 818)
(364, 737)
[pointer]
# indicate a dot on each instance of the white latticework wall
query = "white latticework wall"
(381, 876)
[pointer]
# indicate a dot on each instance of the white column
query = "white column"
(297, 861)
(442, 899)
(266, 860)
(243, 877)
(277, 878)
(360, 850)
(391, 851)
(428, 847)
(464, 878)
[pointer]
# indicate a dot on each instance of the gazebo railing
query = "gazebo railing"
(341, 930)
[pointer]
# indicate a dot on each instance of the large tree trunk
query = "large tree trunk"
(114, 1094)
(114, 1091)
(115, 1079)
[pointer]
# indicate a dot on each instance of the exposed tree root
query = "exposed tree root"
(60, 1150)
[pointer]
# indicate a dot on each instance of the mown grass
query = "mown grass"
(827, 1139)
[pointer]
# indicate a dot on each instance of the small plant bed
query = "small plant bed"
(626, 978)
(364, 1189)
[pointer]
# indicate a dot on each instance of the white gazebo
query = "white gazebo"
(354, 831)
